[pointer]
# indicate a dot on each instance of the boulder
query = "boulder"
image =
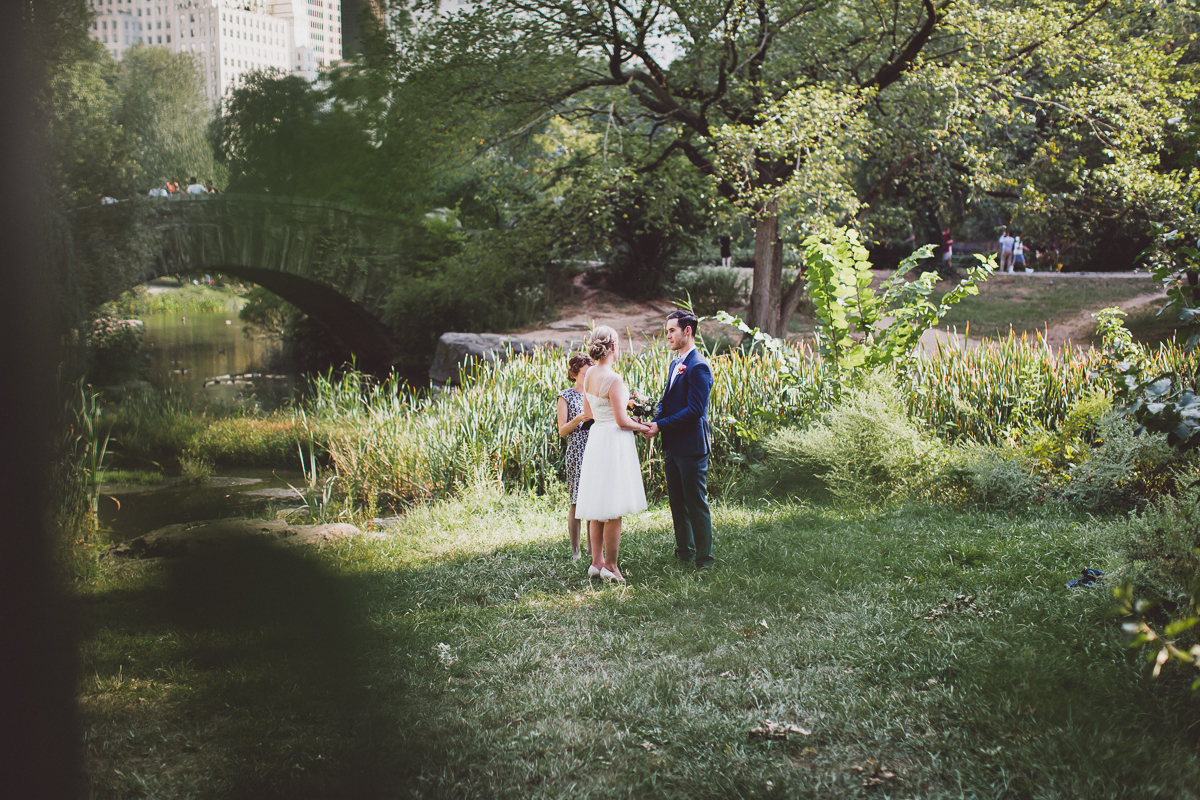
(188, 538)
(454, 350)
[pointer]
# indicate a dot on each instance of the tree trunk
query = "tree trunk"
(768, 273)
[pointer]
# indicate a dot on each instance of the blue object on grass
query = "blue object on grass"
(1088, 577)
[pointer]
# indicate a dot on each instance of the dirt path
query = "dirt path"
(1077, 330)
(636, 322)
(640, 322)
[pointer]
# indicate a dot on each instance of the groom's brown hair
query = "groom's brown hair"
(686, 320)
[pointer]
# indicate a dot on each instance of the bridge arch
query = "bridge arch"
(333, 262)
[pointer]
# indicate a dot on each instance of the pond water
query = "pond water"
(185, 350)
(130, 511)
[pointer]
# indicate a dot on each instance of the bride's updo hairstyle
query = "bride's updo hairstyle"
(603, 340)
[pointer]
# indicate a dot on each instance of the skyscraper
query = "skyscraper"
(227, 37)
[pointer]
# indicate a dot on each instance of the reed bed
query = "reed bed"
(1006, 386)
(500, 425)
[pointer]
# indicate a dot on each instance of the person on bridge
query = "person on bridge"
(195, 187)
(208, 187)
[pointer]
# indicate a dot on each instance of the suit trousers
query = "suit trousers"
(687, 491)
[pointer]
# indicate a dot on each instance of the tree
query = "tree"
(164, 116)
(112, 128)
(935, 83)
(732, 61)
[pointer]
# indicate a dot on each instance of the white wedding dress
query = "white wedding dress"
(610, 479)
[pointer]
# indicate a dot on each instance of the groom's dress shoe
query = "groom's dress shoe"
(593, 572)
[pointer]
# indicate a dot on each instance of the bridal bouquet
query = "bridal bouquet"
(641, 408)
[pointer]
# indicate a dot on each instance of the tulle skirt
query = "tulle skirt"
(610, 480)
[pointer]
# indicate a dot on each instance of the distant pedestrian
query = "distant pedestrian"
(195, 187)
(158, 191)
(1018, 253)
(208, 187)
(1006, 251)
(172, 187)
(726, 251)
(947, 254)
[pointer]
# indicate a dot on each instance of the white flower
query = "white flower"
(445, 655)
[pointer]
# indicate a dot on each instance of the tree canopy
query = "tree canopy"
(824, 112)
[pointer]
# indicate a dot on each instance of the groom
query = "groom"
(686, 441)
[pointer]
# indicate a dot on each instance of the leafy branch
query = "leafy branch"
(861, 328)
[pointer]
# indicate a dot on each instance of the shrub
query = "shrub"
(151, 427)
(865, 448)
(114, 348)
(1124, 470)
(712, 288)
(997, 477)
(1163, 547)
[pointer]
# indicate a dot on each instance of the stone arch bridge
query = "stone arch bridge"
(334, 262)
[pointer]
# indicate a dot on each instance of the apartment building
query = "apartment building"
(228, 38)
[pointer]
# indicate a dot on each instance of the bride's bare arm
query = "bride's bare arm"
(618, 395)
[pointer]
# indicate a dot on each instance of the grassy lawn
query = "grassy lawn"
(465, 656)
(1030, 303)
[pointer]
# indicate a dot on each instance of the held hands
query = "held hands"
(651, 430)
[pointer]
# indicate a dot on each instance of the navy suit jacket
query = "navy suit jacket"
(683, 411)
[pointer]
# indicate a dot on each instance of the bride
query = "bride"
(610, 479)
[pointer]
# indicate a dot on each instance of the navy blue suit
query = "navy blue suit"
(687, 442)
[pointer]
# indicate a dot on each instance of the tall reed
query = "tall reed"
(499, 426)
(991, 393)
(396, 447)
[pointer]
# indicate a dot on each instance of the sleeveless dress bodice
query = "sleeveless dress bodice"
(602, 411)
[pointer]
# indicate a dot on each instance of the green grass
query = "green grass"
(1031, 303)
(144, 477)
(188, 298)
(465, 656)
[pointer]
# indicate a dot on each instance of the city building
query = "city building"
(228, 38)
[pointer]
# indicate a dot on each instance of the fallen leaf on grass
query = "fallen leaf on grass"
(878, 774)
(777, 730)
(962, 603)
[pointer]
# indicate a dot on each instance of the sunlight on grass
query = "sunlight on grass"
(485, 663)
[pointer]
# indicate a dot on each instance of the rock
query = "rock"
(223, 483)
(187, 538)
(454, 350)
(278, 494)
(566, 325)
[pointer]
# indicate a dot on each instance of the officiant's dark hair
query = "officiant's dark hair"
(686, 320)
